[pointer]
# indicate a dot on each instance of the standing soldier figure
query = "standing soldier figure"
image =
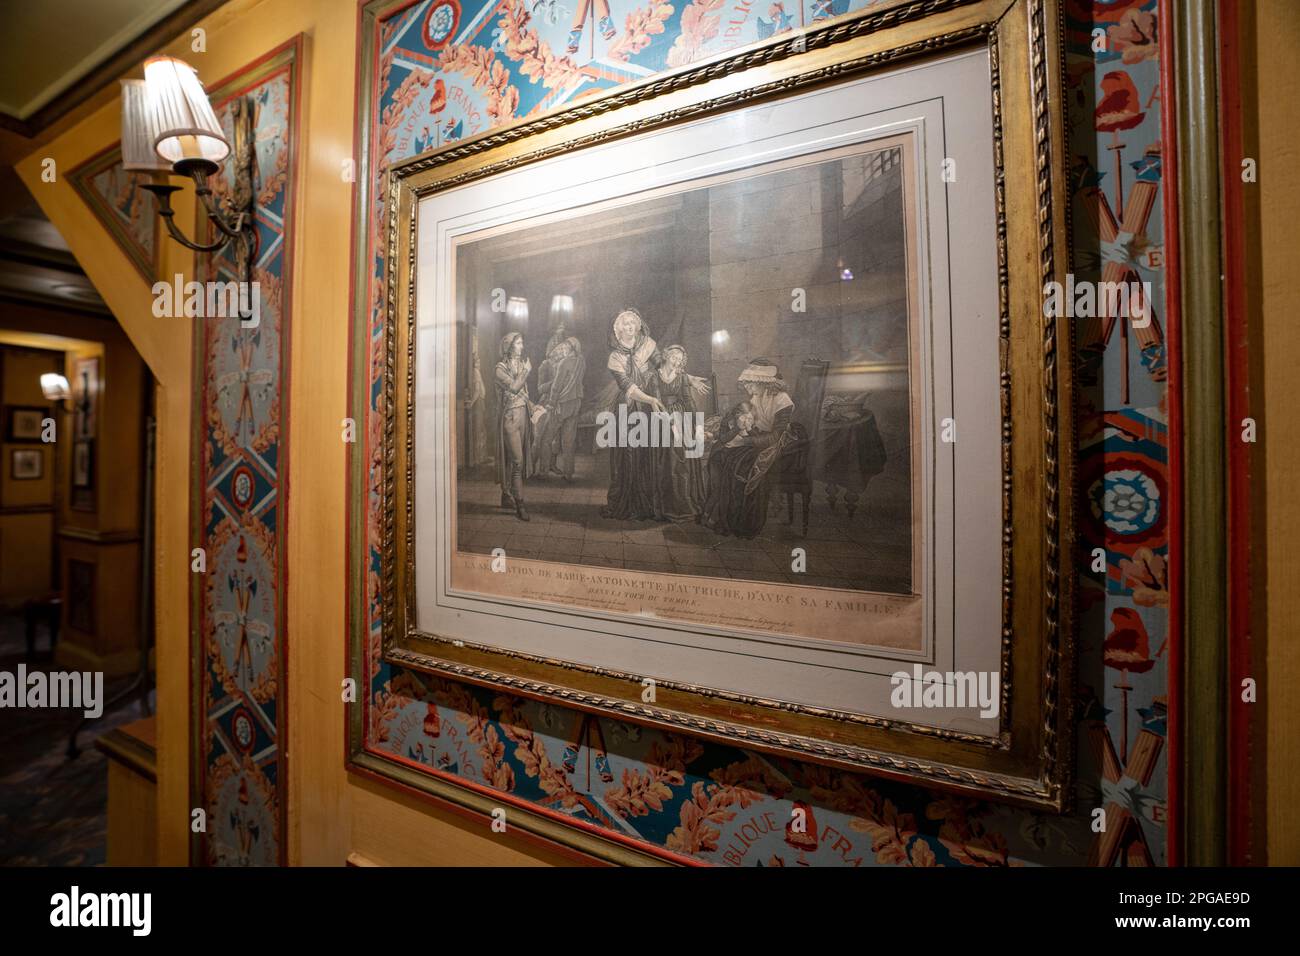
(514, 423)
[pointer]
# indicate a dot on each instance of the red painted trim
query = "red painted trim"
(349, 559)
(1173, 399)
(1236, 335)
(288, 242)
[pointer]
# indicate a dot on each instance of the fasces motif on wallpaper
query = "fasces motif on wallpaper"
(1114, 110)
(239, 610)
(499, 62)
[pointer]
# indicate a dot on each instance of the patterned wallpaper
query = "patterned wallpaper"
(238, 611)
(445, 70)
(128, 213)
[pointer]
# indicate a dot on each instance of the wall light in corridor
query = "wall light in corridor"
(55, 387)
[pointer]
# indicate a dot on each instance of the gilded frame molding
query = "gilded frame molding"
(1031, 761)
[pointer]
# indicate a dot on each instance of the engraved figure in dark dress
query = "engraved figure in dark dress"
(634, 360)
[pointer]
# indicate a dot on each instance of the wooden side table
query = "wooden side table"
(132, 793)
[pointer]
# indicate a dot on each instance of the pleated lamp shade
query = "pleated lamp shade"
(187, 126)
(140, 129)
(517, 311)
(562, 309)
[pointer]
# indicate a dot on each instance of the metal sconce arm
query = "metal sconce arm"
(163, 191)
(234, 224)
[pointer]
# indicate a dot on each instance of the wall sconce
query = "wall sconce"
(55, 388)
(562, 311)
(517, 312)
(169, 127)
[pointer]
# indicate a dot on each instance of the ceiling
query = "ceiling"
(60, 59)
(37, 267)
(48, 46)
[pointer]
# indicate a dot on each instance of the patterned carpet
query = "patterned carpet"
(52, 809)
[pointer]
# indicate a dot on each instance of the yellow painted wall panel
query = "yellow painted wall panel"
(1277, 38)
(26, 556)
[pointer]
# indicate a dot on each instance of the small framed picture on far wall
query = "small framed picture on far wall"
(82, 464)
(85, 398)
(83, 476)
(26, 422)
(27, 464)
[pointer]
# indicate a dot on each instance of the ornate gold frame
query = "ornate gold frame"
(1030, 762)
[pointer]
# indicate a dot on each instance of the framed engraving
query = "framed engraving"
(83, 465)
(85, 397)
(85, 423)
(727, 403)
(26, 423)
(26, 464)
